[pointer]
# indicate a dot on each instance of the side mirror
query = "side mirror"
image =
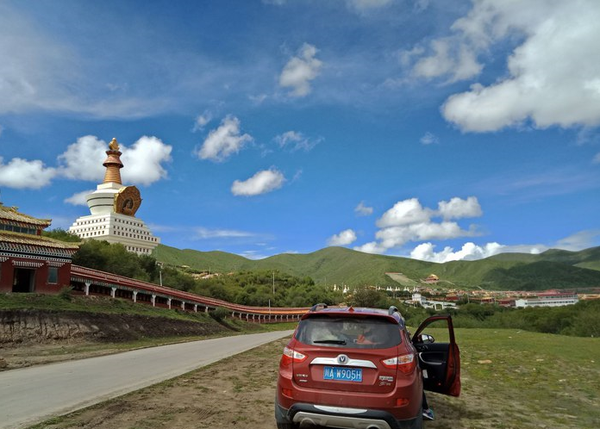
(425, 339)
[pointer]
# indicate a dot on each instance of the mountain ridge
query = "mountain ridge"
(553, 269)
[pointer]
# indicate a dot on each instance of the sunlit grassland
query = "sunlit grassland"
(519, 379)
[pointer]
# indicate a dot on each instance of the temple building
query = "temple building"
(30, 262)
(113, 207)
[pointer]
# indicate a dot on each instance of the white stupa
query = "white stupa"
(113, 207)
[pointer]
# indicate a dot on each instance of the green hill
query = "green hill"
(554, 269)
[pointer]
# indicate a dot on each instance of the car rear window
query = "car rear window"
(357, 333)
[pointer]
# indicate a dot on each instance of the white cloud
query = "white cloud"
(39, 71)
(399, 235)
(458, 208)
(580, 240)
(408, 221)
(143, 161)
(362, 210)
(78, 199)
(300, 70)
(224, 141)
(83, 159)
(206, 233)
(404, 213)
(553, 76)
(261, 183)
(22, 174)
(344, 238)
(45, 73)
(362, 5)
(448, 58)
(258, 99)
(253, 254)
(469, 251)
(596, 159)
(202, 120)
(372, 247)
(295, 141)
(429, 138)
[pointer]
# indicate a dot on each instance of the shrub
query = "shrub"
(219, 313)
(65, 293)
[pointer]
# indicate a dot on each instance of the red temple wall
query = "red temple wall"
(40, 275)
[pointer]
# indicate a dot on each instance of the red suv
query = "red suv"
(359, 368)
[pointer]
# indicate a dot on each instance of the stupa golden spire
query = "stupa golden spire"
(113, 163)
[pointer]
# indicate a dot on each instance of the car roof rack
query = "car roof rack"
(318, 306)
(393, 309)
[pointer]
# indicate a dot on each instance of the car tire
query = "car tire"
(416, 423)
(419, 422)
(286, 426)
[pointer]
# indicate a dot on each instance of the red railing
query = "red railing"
(82, 274)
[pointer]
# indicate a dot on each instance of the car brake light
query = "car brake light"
(291, 355)
(404, 363)
(402, 402)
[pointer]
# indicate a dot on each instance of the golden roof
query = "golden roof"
(10, 214)
(36, 240)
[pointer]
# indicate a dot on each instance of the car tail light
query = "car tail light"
(404, 363)
(402, 402)
(291, 355)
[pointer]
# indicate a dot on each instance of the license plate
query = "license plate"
(342, 374)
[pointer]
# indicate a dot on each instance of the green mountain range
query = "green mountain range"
(553, 269)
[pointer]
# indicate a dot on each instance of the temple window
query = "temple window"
(52, 275)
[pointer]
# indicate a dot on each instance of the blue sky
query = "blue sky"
(427, 129)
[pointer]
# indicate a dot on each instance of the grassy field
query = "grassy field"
(511, 379)
(515, 379)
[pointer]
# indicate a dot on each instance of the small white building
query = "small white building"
(113, 207)
(418, 299)
(555, 300)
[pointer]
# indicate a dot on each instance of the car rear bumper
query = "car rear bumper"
(339, 417)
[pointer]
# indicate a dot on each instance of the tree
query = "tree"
(62, 235)
(368, 297)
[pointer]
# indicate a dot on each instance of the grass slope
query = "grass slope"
(557, 269)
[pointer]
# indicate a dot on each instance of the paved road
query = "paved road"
(31, 395)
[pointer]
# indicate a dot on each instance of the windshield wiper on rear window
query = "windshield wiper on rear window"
(341, 342)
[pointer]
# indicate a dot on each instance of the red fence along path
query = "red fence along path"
(94, 282)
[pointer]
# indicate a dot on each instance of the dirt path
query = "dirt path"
(234, 393)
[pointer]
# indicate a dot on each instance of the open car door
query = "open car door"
(440, 361)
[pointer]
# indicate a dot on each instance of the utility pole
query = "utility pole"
(159, 272)
(273, 282)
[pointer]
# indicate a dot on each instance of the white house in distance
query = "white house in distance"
(113, 207)
(418, 299)
(548, 300)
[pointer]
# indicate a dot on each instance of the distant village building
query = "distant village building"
(113, 207)
(432, 279)
(30, 262)
(548, 300)
(420, 300)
